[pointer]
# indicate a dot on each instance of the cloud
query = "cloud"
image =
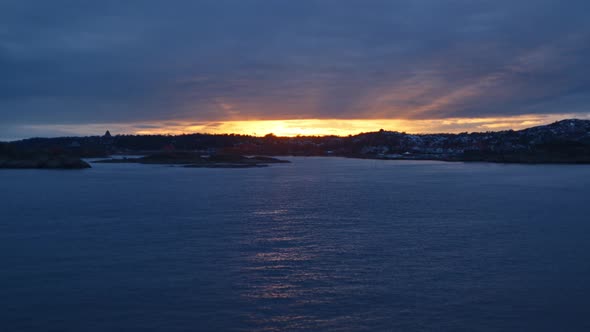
(65, 61)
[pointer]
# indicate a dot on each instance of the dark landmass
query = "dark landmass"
(60, 162)
(566, 141)
(14, 159)
(194, 160)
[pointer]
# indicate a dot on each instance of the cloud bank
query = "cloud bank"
(89, 62)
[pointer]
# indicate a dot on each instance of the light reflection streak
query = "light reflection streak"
(277, 269)
(289, 268)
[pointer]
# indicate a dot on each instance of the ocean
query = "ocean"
(321, 244)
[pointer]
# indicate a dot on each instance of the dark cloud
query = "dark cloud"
(95, 62)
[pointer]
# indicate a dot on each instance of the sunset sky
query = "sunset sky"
(290, 67)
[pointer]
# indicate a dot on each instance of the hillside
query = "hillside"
(566, 141)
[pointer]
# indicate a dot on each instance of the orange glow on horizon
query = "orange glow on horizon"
(316, 127)
(345, 127)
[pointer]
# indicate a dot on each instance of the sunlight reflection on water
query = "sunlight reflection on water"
(292, 264)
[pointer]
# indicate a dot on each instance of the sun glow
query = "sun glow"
(313, 127)
(304, 127)
(344, 127)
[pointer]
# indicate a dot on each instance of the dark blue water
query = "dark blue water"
(323, 244)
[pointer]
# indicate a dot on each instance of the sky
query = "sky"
(77, 67)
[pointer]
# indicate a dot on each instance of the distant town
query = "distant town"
(566, 141)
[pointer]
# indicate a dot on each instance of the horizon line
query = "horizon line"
(306, 127)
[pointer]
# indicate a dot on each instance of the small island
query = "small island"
(11, 158)
(196, 160)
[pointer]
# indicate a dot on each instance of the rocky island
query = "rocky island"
(196, 160)
(11, 158)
